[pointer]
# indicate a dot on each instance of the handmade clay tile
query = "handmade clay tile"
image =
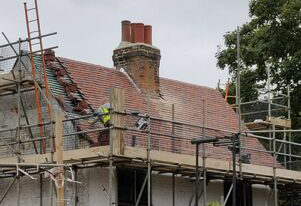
(96, 81)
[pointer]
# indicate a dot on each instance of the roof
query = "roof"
(93, 86)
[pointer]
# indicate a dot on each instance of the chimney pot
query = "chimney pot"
(148, 34)
(133, 25)
(126, 31)
(139, 33)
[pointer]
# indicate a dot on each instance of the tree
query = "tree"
(271, 39)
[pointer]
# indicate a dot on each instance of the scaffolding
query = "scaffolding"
(269, 116)
(162, 147)
(150, 145)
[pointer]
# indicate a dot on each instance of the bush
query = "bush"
(214, 203)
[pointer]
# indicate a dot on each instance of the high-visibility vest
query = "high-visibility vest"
(105, 113)
(106, 117)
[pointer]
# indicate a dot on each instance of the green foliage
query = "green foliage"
(214, 203)
(271, 39)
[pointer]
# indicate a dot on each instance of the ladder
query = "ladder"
(36, 46)
(228, 96)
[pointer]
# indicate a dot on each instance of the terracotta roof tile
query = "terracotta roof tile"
(95, 82)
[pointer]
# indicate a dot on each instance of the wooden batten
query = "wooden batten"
(282, 123)
(264, 125)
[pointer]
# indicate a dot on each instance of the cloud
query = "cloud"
(187, 32)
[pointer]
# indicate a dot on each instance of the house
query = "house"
(176, 112)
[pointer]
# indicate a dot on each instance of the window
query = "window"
(130, 182)
(243, 193)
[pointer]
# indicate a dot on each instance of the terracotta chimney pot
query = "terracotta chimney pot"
(148, 34)
(139, 33)
(133, 26)
(126, 31)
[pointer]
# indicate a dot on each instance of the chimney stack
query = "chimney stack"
(136, 55)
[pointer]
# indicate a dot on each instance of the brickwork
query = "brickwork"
(142, 63)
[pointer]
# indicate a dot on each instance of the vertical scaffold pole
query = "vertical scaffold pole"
(75, 187)
(274, 167)
(289, 134)
(285, 148)
(196, 175)
(173, 127)
(60, 196)
(173, 189)
(173, 150)
(204, 154)
(19, 116)
(111, 155)
(148, 152)
(269, 105)
(238, 100)
(234, 141)
(41, 189)
(238, 79)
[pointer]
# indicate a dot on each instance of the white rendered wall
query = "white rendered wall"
(262, 195)
(91, 193)
(184, 189)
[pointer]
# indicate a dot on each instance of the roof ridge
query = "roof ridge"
(116, 70)
(87, 63)
(187, 83)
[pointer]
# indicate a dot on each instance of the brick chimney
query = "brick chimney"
(138, 57)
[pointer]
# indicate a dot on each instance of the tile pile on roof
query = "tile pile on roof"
(65, 90)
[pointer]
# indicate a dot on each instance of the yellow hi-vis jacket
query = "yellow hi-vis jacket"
(104, 111)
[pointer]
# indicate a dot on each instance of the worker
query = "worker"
(103, 115)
